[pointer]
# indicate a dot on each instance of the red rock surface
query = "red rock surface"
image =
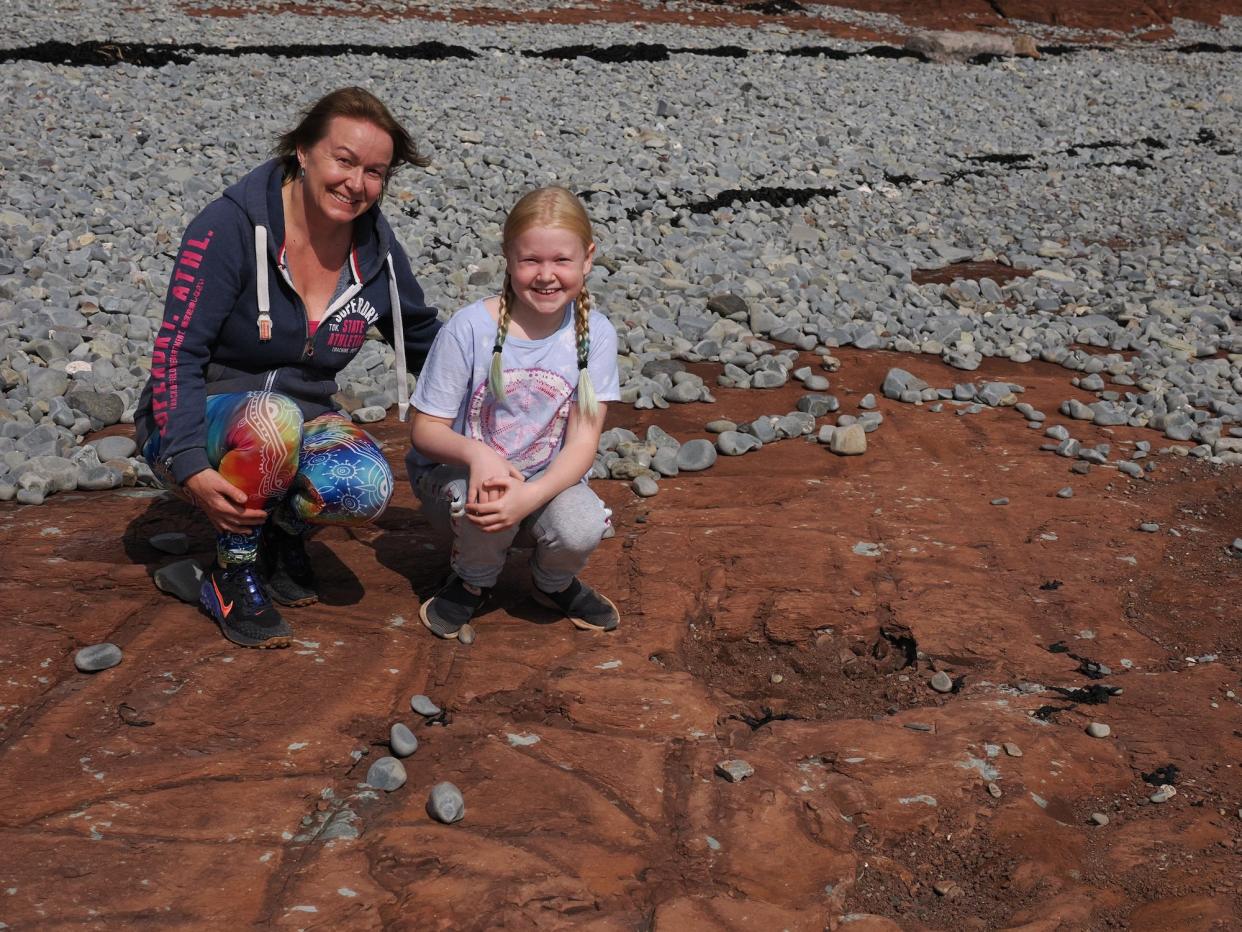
(614, 818)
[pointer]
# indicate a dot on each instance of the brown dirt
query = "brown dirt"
(1100, 19)
(869, 788)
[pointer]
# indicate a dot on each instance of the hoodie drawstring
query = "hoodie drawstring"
(398, 344)
(260, 264)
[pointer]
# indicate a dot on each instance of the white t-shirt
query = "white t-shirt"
(528, 427)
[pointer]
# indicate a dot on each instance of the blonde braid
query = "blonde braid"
(496, 377)
(588, 406)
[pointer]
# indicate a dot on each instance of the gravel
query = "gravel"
(1135, 292)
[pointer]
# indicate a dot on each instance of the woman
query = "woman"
(272, 293)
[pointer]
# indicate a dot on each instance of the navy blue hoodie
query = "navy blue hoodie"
(229, 291)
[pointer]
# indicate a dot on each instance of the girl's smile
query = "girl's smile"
(547, 268)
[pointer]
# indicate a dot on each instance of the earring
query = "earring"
(301, 171)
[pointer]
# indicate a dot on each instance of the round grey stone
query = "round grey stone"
(114, 448)
(942, 682)
(387, 774)
(182, 579)
(97, 657)
(1099, 730)
(402, 741)
(1099, 818)
(645, 486)
(466, 634)
(719, 426)
(423, 706)
(696, 455)
(173, 542)
(733, 443)
(369, 414)
(1164, 794)
(445, 803)
(1149, 527)
(1067, 492)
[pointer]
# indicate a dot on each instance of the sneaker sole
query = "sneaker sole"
(236, 637)
(580, 623)
(291, 603)
(422, 613)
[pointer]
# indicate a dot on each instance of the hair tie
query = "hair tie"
(496, 347)
(582, 364)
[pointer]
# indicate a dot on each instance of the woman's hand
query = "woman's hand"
(223, 503)
(504, 502)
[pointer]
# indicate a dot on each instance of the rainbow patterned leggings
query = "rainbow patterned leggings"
(323, 471)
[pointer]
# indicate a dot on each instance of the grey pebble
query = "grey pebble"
(1067, 492)
(1164, 793)
(1099, 730)
(994, 790)
(735, 770)
(696, 455)
(1099, 818)
(424, 706)
(719, 426)
(941, 682)
(466, 634)
(644, 486)
(1148, 527)
(97, 657)
(1000, 501)
(1012, 749)
(386, 774)
(182, 579)
(173, 542)
(445, 803)
(402, 741)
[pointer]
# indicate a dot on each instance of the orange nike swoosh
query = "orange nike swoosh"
(225, 609)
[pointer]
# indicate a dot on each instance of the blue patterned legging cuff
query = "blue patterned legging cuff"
(323, 471)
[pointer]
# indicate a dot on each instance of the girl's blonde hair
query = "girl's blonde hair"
(549, 207)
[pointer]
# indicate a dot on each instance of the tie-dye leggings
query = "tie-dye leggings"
(323, 471)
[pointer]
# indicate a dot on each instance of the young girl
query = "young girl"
(509, 405)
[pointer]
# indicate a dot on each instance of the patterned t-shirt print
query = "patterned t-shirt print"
(527, 428)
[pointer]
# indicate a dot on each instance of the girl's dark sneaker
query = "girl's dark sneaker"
(585, 607)
(234, 597)
(287, 572)
(450, 608)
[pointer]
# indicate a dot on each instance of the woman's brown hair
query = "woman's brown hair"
(355, 102)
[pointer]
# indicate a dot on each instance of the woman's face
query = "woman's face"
(346, 169)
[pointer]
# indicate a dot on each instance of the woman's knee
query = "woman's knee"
(344, 477)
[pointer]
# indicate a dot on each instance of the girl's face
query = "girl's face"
(345, 170)
(547, 269)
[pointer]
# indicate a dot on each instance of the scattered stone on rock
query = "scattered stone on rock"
(735, 771)
(1099, 818)
(941, 682)
(1000, 501)
(1067, 492)
(466, 634)
(424, 706)
(173, 542)
(445, 803)
(1012, 749)
(644, 486)
(1099, 730)
(848, 441)
(387, 774)
(947, 888)
(696, 455)
(1162, 795)
(994, 790)
(719, 426)
(402, 741)
(1149, 527)
(182, 579)
(97, 657)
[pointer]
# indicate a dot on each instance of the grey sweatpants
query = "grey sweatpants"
(564, 532)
